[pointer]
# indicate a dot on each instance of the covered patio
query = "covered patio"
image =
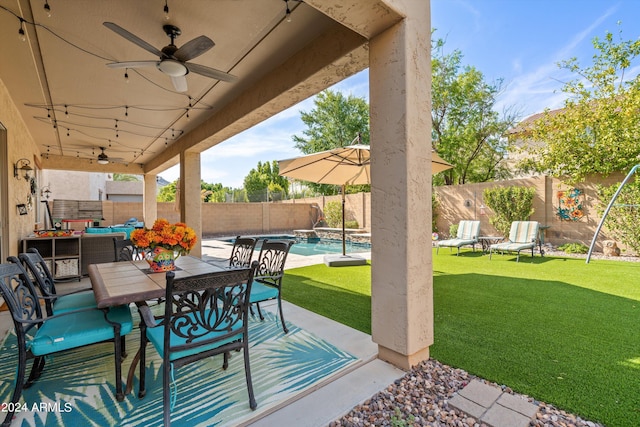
(62, 107)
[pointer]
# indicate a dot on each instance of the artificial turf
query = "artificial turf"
(557, 329)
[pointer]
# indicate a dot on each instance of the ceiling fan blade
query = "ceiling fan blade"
(179, 83)
(194, 48)
(210, 72)
(133, 38)
(132, 64)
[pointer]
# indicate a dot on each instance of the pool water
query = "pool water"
(308, 247)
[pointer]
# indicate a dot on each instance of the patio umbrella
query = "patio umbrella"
(341, 166)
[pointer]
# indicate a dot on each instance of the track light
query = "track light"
(21, 34)
(166, 10)
(47, 8)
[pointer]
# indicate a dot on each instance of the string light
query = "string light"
(166, 10)
(126, 75)
(288, 11)
(66, 111)
(21, 35)
(47, 8)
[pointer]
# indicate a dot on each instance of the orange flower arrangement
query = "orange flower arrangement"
(176, 237)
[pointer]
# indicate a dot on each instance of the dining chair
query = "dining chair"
(267, 281)
(125, 250)
(242, 251)
(204, 315)
(39, 336)
(37, 267)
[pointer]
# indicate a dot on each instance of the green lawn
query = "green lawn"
(560, 330)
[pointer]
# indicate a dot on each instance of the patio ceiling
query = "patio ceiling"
(73, 104)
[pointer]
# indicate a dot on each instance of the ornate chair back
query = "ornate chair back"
(242, 252)
(204, 315)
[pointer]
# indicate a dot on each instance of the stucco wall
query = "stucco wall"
(20, 144)
(465, 202)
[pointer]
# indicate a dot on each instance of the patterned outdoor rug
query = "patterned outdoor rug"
(77, 387)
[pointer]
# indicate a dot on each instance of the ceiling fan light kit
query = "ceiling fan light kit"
(173, 60)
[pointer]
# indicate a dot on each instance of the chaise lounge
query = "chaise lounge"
(468, 232)
(523, 235)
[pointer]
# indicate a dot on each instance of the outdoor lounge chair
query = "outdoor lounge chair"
(468, 232)
(523, 235)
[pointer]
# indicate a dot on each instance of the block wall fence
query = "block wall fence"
(456, 203)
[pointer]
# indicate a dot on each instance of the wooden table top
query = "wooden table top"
(116, 283)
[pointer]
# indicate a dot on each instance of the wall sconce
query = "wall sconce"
(22, 165)
(45, 192)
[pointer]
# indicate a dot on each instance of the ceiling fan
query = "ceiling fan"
(173, 60)
(103, 159)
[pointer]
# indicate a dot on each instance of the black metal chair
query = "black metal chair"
(125, 250)
(204, 315)
(38, 336)
(242, 252)
(55, 303)
(267, 281)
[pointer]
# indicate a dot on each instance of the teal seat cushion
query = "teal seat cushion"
(74, 301)
(98, 230)
(261, 292)
(78, 329)
(156, 337)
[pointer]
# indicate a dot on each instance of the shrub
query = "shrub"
(509, 204)
(453, 230)
(622, 220)
(574, 248)
(351, 224)
(333, 214)
(435, 204)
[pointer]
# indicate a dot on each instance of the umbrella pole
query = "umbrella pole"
(344, 245)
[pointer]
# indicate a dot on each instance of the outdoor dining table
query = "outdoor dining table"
(126, 282)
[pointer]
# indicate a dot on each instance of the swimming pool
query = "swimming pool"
(308, 247)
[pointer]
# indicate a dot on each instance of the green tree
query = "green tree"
(168, 192)
(125, 177)
(598, 129)
(467, 131)
(262, 179)
(335, 121)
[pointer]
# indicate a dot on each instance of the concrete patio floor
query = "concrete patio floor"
(328, 400)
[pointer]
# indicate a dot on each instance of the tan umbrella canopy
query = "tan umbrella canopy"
(341, 166)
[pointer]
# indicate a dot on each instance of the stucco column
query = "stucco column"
(190, 202)
(400, 102)
(150, 200)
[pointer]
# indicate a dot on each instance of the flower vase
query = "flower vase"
(161, 259)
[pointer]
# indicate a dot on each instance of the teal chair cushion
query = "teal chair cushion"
(73, 302)
(156, 337)
(261, 292)
(79, 329)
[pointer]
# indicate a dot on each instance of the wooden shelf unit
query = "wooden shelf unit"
(62, 255)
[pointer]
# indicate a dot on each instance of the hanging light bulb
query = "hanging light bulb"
(47, 8)
(126, 111)
(21, 34)
(126, 75)
(166, 10)
(66, 112)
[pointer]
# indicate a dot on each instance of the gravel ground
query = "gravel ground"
(420, 398)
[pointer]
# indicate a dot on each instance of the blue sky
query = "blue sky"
(520, 41)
